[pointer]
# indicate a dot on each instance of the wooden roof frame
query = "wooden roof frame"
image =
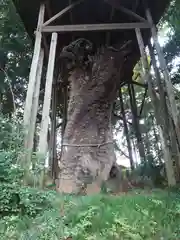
(31, 105)
(143, 23)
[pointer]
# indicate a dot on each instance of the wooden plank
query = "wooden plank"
(61, 13)
(94, 27)
(118, 6)
(34, 66)
(47, 95)
(35, 106)
(167, 79)
(144, 85)
(53, 153)
(168, 160)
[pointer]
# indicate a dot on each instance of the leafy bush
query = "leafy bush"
(129, 217)
(11, 135)
(10, 172)
(150, 172)
(15, 198)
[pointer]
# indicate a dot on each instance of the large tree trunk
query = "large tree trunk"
(88, 151)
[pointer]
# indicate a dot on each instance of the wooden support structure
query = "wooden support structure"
(165, 111)
(164, 69)
(95, 27)
(61, 13)
(35, 104)
(143, 102)
(118, 6)
(166, 150)
(167, 155)
(126, 130)
(53, 137)
(32, 79)
(32, 98)
(47, 96)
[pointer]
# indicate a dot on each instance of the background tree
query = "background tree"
(15, 58)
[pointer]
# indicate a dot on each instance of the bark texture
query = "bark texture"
(88, 151)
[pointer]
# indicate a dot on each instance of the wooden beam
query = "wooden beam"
(118, 6)
(168, 160)
(33, 71)
(143, 102)
(167, 79)
(166, 150)
(139, 84)
(53, 142)
(47, 95)
(61, 13)
(35, 104)
(94, 27)
(145, 69)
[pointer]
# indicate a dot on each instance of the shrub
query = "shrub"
(16, 198)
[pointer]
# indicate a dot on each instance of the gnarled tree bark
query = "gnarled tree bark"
(88, 151)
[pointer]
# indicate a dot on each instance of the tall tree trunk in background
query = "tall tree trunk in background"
(175, 151)
(126, 130)
(88, 151)
(156, 146)
(135, 120)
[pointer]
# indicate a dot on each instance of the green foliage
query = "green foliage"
(15, 198)
(27, 213)
(18, 200)
(10, 151)
(9, 172)
(133, 216)
(11, 134)
(15, 54)
(152, 171)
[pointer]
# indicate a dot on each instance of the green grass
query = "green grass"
(154, 215)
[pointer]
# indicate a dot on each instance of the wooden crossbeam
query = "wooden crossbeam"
(61, 13)
(139, 84)
(94, 27)
(118, 6)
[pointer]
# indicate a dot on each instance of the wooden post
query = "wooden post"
(168, 160)
(136, 123)
(30, 137)
(53, 153)
(163, 114)
(47, 96)
(164, 139)
(126, 130)
(163, 66)
(33, 72)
